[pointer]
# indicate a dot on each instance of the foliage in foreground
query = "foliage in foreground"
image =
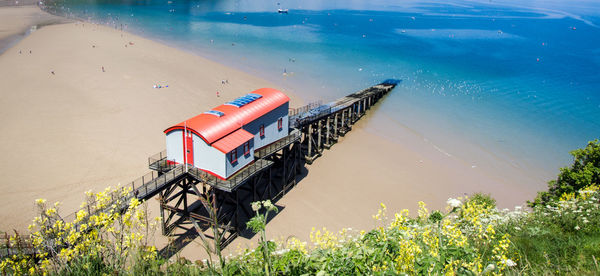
(584, 171)
(561, 237)
(472, 237)
(106, 236)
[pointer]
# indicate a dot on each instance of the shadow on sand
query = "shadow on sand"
(186, 232)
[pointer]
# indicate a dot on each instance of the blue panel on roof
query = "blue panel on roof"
(254, 96)
(244, 100)
(215, 112)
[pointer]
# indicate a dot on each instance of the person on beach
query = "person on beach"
(103, 69)
(218, 94)
(52, 72)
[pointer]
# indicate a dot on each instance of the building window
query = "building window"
(262, 130)
(247, 148)
(280, 124)
(233, 156)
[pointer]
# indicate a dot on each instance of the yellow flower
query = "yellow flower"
(406, 256)
(50, 211)
(423, 212)
(295, 244)
(567, 197)
(400, 219)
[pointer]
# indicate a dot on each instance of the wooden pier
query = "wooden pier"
(190, 196)
(322, 125)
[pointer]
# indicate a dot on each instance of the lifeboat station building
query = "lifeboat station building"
(222, 141)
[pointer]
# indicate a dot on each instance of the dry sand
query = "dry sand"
(80, 129)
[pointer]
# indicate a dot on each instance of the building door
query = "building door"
(188, 147)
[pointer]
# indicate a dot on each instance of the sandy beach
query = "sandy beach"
(68, 127)
(79, 112)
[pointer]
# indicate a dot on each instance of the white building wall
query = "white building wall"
(175, 146)
(272, 132)
(208, 158)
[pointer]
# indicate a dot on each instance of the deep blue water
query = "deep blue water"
(520, 80)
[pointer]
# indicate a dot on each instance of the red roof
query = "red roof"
(233, 140)
(212, 128)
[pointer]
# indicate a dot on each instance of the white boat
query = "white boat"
(282, 11)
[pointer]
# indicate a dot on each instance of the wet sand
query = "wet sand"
(17, 21)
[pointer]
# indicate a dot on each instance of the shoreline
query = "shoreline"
(99, 128)
(20, 20)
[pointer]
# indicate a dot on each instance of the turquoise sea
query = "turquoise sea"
(494, 83)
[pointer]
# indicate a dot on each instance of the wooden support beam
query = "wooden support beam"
(327, 143)
(335, 125)
(359, 109)
(284, 154)
(310, 140)
(236, 215)
(319, 145)
(162, 214)
(196, 191)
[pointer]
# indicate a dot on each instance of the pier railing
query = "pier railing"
(303, 109)
(151, 183)
(159, 162)
(15, 245)
(141, 188)
(157, 157)
(277, 145)
(302, 118)
(236, 180)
